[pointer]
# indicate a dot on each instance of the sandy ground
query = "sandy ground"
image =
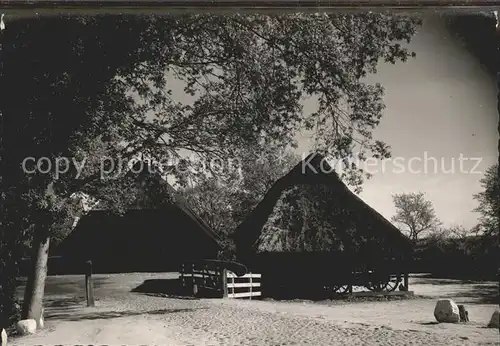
(123, 317)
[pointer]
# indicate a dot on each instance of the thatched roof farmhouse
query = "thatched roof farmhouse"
(311, 210)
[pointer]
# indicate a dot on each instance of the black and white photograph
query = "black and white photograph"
(237, 176)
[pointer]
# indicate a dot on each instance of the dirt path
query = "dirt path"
(122, 317)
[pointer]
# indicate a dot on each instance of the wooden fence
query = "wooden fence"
(246, 286)
(202, 279)
(211, 280)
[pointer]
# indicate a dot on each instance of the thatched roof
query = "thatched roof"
(177, 200)
(172, 228)
(314, 170)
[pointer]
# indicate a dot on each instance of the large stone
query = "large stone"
(3, 338)
(464, 314)
(446, 311)
(24, 327)
(494, 322)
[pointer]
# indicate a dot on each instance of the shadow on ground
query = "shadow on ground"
(64, 316)
(166, 287)
(458, 277)
(70, 309)
(171, 288)
(474, 291)
(444, 281)
(64, 285)
(432, 323)
(63, 307)
(484, 294)
(55, 303)
(57, 286)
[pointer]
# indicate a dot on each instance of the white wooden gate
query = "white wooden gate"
(246, 286)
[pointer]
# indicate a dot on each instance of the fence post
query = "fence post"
(89, 284)
(183, 282)
(232, 284)
(194, 285)
(352, 276)
(193, 269)
(251, 286)
(351, 281)
(405, 281)
(223, 283)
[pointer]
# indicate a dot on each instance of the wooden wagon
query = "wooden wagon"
(309, 274)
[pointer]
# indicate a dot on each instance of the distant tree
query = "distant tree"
(415, 215)
(463, 238)
(489, 203)
(455, 231)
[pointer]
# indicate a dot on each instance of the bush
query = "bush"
(473, 257)
(10, 309)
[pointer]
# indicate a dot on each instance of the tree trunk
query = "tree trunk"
(498, 99)
(35, 286)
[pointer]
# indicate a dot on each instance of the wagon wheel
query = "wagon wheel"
(377, 286)
(393, 283)
(340, 289)
(389, 284)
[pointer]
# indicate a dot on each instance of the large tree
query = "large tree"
(94, 87)
(415, 215)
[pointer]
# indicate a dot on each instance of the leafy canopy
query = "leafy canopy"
(104, 84)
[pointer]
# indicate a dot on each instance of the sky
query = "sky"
(442, 105)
